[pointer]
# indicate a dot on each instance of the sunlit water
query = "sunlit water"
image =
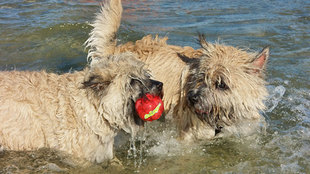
(37, 34)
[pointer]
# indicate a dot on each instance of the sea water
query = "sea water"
(50, 34)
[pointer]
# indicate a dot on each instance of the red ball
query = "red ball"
(149, 107)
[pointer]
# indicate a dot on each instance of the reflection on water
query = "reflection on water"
(50, 34)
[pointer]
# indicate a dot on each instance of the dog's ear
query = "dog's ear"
(186, 59)
(259, 62)
(207, 47)
(202, 40)
(96, 83)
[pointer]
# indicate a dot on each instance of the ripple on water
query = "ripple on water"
(50, 34)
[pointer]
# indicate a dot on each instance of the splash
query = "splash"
(162, 140)
(157, 139)
(276, 95)
(137, 148)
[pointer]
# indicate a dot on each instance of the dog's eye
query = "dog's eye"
(135, 82)
(148, 75)
(221, 85)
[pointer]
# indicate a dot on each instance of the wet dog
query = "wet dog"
(78, 113)
(222, 92)
(217, 89)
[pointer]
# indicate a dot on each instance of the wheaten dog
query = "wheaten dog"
(217, 89)
(222, 92)
(78, 113)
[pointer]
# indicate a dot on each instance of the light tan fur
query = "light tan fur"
(236, 111)
(105, 28)
(78, 113)
(164, 63)
(161, 58)
(232, 109)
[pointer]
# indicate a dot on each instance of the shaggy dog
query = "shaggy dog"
(78, 113)
(222, 92)
(216, 89)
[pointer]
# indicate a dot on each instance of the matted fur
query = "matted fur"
(222, 92)
(160, 58)
(185, 71)
(78, 113)
(105, 28)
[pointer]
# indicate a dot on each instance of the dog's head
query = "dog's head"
(225, 84)
(115, 84)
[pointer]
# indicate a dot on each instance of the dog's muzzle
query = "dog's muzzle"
(196, 105)
(192, 98)
(157, 88)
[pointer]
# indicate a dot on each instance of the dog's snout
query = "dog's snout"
(156, 83)
(159, 86)
(193, 98)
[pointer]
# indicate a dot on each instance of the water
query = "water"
(37, 34)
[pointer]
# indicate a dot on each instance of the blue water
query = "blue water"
(37, 34)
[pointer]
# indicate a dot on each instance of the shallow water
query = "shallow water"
(37, 34)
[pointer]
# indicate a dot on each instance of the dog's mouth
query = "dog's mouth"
(196, 105)
(209, 117)
(148, 108)
(161, 94)
(148, 97)
(137, 120)
(214, 117)
(201, 112)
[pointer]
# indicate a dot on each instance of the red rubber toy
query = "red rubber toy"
(149, 107)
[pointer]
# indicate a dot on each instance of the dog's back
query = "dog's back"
(39, 109)
(32, 106)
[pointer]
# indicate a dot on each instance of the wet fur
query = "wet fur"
(186, 72)
(155, 52)
(222, 92)
(78, 113)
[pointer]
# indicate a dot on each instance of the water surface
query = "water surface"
(37, 34)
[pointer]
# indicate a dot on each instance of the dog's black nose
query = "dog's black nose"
(193, 98)
(156, 88)
(159, 86)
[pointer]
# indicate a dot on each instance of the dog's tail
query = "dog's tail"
(102, 40)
